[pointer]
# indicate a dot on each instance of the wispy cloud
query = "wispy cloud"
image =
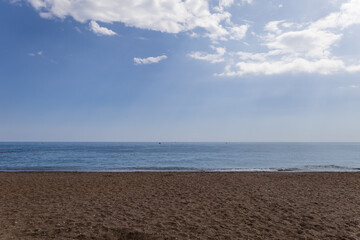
(97, 29)
(149, 60)
(77, 29)
(350, 87)
(210, 57)
(223, 4)
(39, 53)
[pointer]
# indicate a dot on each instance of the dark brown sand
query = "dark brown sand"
(179, 206)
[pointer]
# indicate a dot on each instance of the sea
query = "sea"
(177, 156)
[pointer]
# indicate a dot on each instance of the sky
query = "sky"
(184, 71)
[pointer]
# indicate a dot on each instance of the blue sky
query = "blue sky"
(171, 70)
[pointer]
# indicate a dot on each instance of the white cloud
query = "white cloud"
(97, 29)
(299, 48)
(251, 56)
(170, 16)
(228, 3)
(238, 32)
(212, 58)
(348, 15)
(225, 3)
(308, 42)
(318, 38)
(353, 68)
(149, 60)
(291, 25)
(297, 65)
(273, 27)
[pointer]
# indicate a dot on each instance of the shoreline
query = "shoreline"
(355, 170)
(179, 205)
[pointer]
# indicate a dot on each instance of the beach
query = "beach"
(182, 205)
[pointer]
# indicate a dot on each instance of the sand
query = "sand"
(179, 205)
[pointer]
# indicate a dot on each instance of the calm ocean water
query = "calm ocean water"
(180, 156)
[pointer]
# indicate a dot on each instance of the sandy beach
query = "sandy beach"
(59, 205)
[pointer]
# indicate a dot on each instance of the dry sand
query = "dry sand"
(179, 205)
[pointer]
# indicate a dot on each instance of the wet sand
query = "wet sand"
(179, 205)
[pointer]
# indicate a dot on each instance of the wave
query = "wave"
(319, 168)
(307, 168)
(41, 168)
(155, 169)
